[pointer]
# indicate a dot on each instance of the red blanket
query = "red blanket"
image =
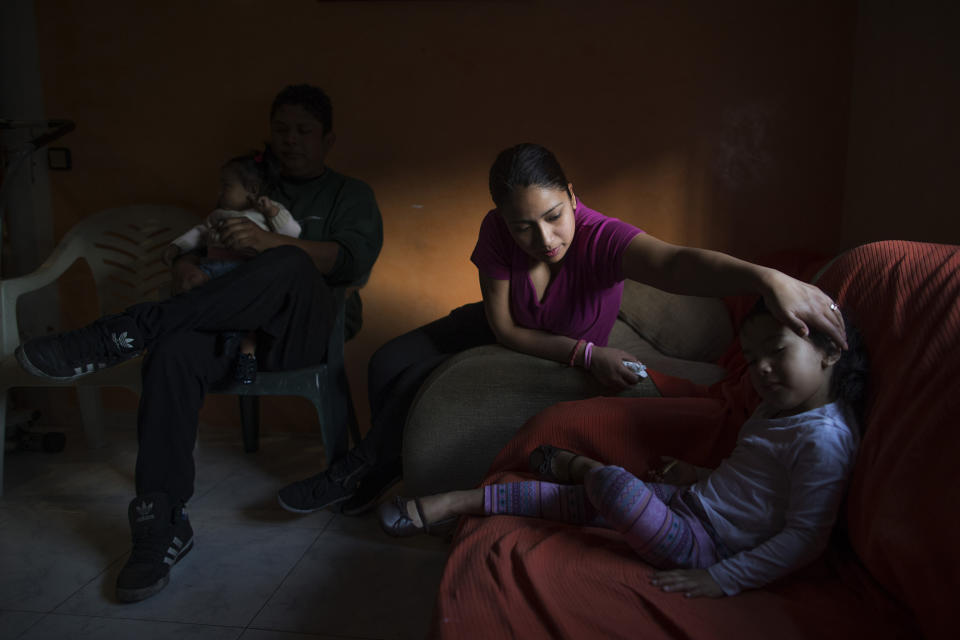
(521, 577)
(904, 494)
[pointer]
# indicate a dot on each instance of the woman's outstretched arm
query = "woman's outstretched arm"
(700, 272)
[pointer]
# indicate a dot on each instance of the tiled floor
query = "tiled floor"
(255, 573)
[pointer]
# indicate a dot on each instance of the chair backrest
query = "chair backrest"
(123, 247)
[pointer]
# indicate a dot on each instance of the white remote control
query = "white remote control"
(637, 367)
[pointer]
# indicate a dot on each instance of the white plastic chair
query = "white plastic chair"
(122, 247)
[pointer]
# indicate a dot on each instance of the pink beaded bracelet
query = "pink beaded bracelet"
(573, 354)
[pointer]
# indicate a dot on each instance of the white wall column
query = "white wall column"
(27, 215)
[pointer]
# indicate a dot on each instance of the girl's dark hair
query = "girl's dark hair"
(259, 171)
(522, 166)
(313, 99)
(851, 373)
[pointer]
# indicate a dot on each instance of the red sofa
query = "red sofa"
(893, 569)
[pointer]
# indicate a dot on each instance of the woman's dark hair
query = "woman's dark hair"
(258, 171)
(524, 165)
(313, 99)
(851, 373)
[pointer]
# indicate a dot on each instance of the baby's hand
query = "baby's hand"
(693, 582)
(267, 207)
(170, 254)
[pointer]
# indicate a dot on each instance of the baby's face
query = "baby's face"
(789, 372)
(233, 195)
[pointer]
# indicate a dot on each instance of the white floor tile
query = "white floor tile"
(58, 627)
(47, 554)
(77, 471)
(251, 495)
(64, 537)
(14, 623)
(228, 576)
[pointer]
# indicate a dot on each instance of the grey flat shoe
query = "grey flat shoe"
(396, 521)
(541, 463)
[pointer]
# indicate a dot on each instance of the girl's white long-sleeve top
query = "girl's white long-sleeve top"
(774, 501)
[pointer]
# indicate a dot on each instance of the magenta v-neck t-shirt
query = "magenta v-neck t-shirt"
(583, 298)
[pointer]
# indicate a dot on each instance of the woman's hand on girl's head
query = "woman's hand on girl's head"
(801, 306)
(607, 367)
(242, 233)
(694, 583)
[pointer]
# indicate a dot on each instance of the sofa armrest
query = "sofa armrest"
(472, 405)
(699, 372)
(449, 442)
(687, 327)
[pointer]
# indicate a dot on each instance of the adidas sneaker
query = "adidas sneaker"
(69, 355)
(162, 535)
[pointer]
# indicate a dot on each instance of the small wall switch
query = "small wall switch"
(59, 159)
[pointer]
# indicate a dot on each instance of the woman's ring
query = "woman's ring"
(833, 306)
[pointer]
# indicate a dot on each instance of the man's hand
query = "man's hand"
(186, 274)
(241, 233)
(694, 583)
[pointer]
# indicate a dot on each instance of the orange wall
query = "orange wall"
(717, 126)
(904, 151)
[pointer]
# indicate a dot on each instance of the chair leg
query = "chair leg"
(250, 422)
(338, 420)
(331, 429)
(91, 415)
(352, 419)
(3, 432)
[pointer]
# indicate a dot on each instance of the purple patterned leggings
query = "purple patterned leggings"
(653, 518)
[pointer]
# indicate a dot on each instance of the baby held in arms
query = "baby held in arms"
(243, 181)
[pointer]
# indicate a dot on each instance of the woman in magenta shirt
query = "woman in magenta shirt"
(551, 274)
(573, 290)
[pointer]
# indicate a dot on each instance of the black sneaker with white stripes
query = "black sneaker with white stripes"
(69, 355)
(162, 535)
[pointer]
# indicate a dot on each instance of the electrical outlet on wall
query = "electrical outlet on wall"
(59, 159)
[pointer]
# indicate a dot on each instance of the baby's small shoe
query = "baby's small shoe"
(245, 368)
